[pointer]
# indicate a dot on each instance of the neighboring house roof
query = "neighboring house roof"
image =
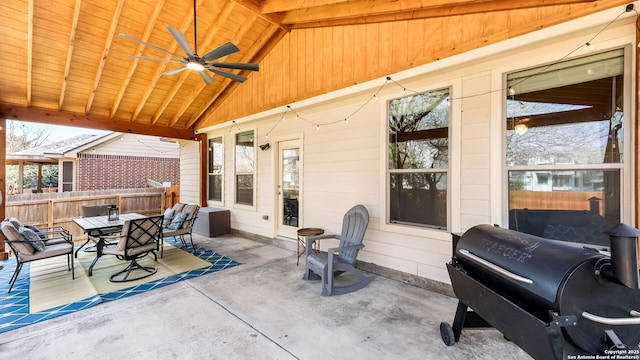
(49, 152)
(109, 143)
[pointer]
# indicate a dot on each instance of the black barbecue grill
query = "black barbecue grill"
(551, 298)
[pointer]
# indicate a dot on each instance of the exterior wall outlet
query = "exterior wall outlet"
(265, 217)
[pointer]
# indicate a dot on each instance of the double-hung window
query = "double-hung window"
(418, 159)
(244, 163)
(565, 148)
(215, 169)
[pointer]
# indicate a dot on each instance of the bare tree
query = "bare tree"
(22, 136)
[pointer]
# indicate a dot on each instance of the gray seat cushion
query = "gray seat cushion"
(11, 233)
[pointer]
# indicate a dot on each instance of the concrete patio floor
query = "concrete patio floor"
(258, 310)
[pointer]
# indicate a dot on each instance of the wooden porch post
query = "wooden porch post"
(635, 146)
(39, 184)
(204, 153)
(20, 176)
(3, 181)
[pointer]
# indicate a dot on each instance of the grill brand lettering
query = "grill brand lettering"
(532, 247)
(506, 251)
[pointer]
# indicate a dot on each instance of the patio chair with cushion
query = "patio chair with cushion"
(27, 245)
(139, 238)
(181, 223)
(169, 213)
(341, 259)
(49, 234)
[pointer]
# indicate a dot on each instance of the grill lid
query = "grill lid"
(520, 264)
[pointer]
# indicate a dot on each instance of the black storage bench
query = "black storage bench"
(212, 222)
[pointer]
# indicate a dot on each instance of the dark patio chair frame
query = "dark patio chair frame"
(138, 233)
(61, 238)
(185, 229)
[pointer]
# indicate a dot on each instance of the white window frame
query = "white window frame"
(499, 170)
(453, 173)
(235, 172)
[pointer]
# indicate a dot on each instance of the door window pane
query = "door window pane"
(290, 186)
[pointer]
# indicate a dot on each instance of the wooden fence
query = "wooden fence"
(557, 200)
(59, 209)
(171, 195)
(553, 200)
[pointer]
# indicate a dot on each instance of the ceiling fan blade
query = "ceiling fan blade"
(149, 45)
(205, 77)
(182, 42)
(239, 66)
(155, 59)
(229, 75)
(222, 50)
(175, 71)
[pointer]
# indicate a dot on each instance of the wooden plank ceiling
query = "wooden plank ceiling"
(62, 61)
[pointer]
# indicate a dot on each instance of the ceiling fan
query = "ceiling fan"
(193, 61)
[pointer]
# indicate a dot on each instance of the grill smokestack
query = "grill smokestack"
(624, 255)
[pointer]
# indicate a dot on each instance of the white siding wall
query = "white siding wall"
(189, 172)
(475, 150)
(244, 217)
(138, 145)
(344, 163)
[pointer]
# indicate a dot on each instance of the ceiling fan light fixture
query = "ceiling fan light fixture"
(193, 65)
(196, 63)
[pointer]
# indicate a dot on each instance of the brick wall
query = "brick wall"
(99, 172)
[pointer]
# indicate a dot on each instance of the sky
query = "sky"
(55, 131)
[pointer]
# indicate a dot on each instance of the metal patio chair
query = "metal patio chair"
(139, 237)
(28, 245)
(180, 229)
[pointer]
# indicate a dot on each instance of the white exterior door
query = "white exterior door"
(289, 189)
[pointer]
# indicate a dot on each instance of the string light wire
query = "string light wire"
(138, 141)
(279, 121)
(510, 88)
(234, 125)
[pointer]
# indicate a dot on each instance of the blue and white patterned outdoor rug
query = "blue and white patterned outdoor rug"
(20, 308)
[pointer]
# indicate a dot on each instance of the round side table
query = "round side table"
(302, 238)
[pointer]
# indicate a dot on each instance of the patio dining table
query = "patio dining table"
(100, 224)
